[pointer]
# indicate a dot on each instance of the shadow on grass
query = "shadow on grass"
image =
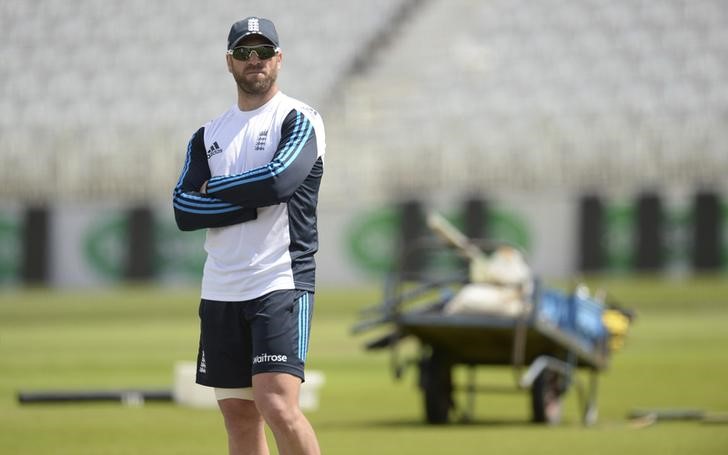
(421, 424)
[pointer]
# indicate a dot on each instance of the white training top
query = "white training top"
(269, 160)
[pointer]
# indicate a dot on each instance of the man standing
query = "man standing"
(252, 176)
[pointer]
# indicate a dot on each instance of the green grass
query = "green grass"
(676, 357)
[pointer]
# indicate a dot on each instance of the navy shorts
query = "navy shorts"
(240, 339)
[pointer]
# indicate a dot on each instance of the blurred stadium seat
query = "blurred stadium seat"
(465, 96)
(104, 95)
(558, 94)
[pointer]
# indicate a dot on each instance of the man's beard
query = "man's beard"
(258, 86)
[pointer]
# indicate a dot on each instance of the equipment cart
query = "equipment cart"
(544, 335)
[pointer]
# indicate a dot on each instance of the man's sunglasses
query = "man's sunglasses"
(263, 51)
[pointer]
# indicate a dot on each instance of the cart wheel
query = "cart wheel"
(436, 384)
(546, 398)
(591, 415)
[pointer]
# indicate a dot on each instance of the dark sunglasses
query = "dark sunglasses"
(263, 51)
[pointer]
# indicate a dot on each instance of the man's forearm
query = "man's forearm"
(194, 211)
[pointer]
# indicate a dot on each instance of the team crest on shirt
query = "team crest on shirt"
(262, 139)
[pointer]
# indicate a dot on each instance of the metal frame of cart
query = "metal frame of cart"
(544, 358)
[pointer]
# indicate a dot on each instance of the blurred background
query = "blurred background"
(593, 134)
(590, 132)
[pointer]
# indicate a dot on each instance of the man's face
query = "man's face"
(254, 76)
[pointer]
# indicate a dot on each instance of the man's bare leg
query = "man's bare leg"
(245, 427)
(276, 396)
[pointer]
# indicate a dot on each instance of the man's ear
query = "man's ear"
(229, 61)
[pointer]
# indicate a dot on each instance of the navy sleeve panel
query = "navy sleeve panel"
(276, 181)
(193, 210)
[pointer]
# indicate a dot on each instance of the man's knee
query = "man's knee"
(278, 412)
(240, 415)
(276, 396)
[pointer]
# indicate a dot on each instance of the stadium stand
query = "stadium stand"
(419, 96)
(100, 98)
(556, 94)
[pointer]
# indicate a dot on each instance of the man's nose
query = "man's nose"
(254, 54)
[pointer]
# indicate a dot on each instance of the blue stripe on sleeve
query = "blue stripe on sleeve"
(302, 132)
(263, 169)
(287, 148)
(191, 203)
(205, 211)
(186, 166)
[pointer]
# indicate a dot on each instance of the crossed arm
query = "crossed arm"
(201, 201)
(194, 210)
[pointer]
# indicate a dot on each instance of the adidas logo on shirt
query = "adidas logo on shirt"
(213, 150)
